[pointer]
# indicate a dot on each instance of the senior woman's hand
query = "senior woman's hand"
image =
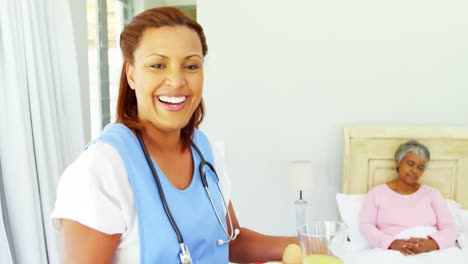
(425, 244)
(405, 246)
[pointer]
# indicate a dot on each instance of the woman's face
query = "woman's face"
(411, 168)
(167, 76)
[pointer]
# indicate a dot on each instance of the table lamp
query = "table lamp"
(300, 178)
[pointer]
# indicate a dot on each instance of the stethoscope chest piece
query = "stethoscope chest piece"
(185, 257)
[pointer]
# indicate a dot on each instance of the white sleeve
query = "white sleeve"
(92, 190)
(219, 155)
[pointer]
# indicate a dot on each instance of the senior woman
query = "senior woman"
(405, 203)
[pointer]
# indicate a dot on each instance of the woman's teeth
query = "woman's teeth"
(172, 99)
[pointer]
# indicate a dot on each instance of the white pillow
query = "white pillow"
(464, 219)
(463, 241)
(349, 206)
(463, 237)
(455, 209)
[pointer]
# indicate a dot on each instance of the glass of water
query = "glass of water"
(322, 242)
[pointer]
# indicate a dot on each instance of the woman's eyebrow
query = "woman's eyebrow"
(157, 54)
(193, 55)
(164, 56)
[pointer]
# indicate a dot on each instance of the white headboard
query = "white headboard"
(368, 158)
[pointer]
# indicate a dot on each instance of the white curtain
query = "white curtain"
(42, 122)
(6, 251)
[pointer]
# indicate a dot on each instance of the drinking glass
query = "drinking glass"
(322, 242)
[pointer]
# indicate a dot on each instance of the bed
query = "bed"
(368, 161)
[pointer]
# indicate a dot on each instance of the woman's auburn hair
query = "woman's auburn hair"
(127, 110)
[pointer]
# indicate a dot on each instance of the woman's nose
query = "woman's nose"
(176, 79)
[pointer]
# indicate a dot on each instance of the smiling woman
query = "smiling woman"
(167, 78)
(153, 189)
(175, 56)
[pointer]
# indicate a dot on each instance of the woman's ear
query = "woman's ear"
(130, 77)
(397, 166)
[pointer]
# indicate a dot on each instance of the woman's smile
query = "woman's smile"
(172, 103)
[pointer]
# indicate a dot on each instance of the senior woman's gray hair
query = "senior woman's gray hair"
(412, 146)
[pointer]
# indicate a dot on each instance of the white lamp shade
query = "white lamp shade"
(300, 175)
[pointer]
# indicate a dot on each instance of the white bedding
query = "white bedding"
(371, 256)
(381, 256)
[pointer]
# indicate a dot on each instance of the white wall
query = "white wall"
(284, 77)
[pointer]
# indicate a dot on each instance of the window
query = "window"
(106, 19)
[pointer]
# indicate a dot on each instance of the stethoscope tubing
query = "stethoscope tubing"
(231, 235)
(180, 238)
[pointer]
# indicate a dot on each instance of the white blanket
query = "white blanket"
(381, 256)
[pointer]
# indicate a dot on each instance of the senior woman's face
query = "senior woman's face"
(411, 168)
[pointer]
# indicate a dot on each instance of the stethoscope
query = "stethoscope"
(184, 254)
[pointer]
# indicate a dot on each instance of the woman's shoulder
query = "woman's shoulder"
(94, 190)
(200, 135)
(99, 160)
(217, 146)
(379, 188)
(377, 191)
(430, 190)
(99, 153)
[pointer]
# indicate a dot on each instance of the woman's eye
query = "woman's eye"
(421, 168)
(191, 67)
(410, 163)
(158, 66)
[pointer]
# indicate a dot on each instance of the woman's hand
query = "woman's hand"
(425, 244)
(405, 246)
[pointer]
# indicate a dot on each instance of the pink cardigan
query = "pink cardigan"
(386, 213)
